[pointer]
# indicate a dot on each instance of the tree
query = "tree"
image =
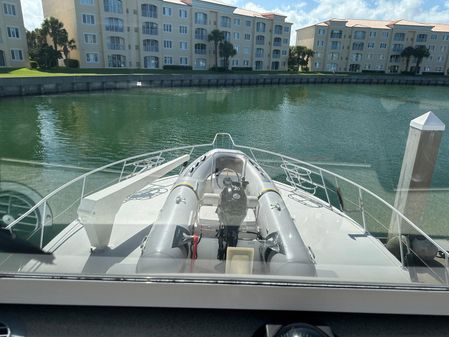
(54, 28)
(407, 53)
(299, 56)
(227, 51)
(216, 36)
(67, 47)
(419, 53)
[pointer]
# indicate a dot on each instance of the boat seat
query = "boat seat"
(209, 222)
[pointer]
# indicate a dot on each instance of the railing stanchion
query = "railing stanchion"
(83, 188)
(44, 215)
(401, 250)
(325, 188)
(362, 209)
(123, 170)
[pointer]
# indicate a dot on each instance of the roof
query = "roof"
(385, 24)
(247, 12)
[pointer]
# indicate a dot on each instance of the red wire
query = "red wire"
(196, 240)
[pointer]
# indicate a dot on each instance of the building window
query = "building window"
(359, 35)
(356, 57)
(433, 36)
(114, 25)
(151, 45)
(116, 43)
(285, 41)
(166, 11)
(227, 36)
(321, 31)
(277, 42)
(286, 29)
(116, 61)
(183, 30)
(421, 38)
(151, 62)
(167, 27)
(200, 34)
(278, 29)
(381, 57)
(149, 11)
(245, 51)
(398, 47)
(90, 38)
(9, 9)
(319, 43)
(149, 28)
(168, 60)
(13, 32)
(259, 65)
(443, 48)
(336, 34)
(247, 36)
(183, 61)
(370, 45)
(259, 52)
(260, 39)
(284, 53)
(246, 63)
(183, 14)
(88, 19)
(87, 2)
(316, 64)
(383, 45)
(235, 62)
(114, 6)
(236, 22)
(200, 63)
(183, 45)
(399, 37)
(357, 46)
(276, 53)
(248, 23)
(168, 44)
(16, 55)
(225, 21)
(335, 45)
(331, 67)
(200, 48)
(334, 56)
(260, 27)
(92, 58)
(236, 36)
(201, 18)
(445, 37)
(372, 35)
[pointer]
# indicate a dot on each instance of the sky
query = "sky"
(303, 13)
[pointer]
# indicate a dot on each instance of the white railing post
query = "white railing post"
(83, 188)
(362, 208)
(44, 216)
(123, 170)
(325, 188)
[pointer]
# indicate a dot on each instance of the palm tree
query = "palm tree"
(420, 52)
(299, 57)
(216, 36)
(67, 47)
(55, 29)
(227, 51)
(407, 53)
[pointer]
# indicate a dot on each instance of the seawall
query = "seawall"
(24, 86)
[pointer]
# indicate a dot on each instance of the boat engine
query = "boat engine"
(231, 212)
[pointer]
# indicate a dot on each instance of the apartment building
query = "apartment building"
(374, 46)
(13, 42)
(155, 33)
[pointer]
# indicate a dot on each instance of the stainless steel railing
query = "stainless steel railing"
(339, 194)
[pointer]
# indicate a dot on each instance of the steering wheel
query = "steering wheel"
(228, 172)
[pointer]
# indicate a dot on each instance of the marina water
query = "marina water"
(359, 131)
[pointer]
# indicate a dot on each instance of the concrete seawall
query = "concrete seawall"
(25, 86)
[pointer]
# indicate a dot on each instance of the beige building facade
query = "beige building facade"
(13, 42)
(374, 46)
(156, 33)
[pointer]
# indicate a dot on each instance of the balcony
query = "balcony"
(201, 37)
(149, 31)
(116, 46)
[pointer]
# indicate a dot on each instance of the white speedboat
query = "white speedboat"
(218, 214)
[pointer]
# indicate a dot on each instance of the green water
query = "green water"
(329, 124)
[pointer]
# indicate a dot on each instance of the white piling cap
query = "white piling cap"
(428, 122)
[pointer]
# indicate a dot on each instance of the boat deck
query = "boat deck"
(341, 249)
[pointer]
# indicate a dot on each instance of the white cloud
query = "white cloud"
(356, 9)
(32, 13)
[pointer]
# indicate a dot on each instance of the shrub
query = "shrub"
(242, 69)
(70, 63)
(218, 69)
(176, 67)
(33, 64)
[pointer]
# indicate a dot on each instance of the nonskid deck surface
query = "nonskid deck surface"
(342, 250)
